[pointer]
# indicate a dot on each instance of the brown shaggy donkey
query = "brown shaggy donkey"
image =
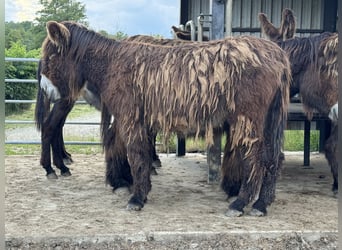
(242, 81)
(314, 71)
(51, 122)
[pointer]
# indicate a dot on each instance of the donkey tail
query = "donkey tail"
(105, 126)
(275, 125)
(42, 108)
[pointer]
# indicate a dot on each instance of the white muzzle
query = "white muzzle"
(50, 90)
(333, 114)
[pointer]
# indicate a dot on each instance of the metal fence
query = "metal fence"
(32, 122)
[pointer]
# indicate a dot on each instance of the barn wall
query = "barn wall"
(312, 16)
(309, 15)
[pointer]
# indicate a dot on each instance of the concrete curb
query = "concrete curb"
(185, 240)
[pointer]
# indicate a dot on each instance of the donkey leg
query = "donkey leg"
(253, 174)
(45, 157)
(118, 172)
(156, 163)
(232, 168)
(59, 113)
(267, 192)
(139, 157)
(58, 159)
(67, 159)
(331, 151)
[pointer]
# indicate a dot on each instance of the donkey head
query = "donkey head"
(285, 31)
(59, 71)
(185, 35)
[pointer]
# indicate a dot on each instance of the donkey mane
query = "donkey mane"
(327, 58)
(82, 39)
(303, 50)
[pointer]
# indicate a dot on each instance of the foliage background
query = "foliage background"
(24, 40)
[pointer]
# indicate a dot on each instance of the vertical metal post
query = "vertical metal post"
(307, 125)
(229, 17)
(217, 24)
(192, 29)
(200, 19)
(214, 159)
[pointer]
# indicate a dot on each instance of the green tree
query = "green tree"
(22, 31)
(118, 35)
(58, 10)
(20, 70)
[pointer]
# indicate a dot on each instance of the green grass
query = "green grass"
(294, 140)
(28, 149)
(28, 115)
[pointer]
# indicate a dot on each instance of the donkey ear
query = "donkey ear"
(58, 34)
(288, 24)
(268, 28)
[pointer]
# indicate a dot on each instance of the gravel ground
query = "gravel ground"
(30, 133)
(182, 212)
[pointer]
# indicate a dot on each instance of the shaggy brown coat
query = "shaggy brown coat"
(243, 81)
(314, 71)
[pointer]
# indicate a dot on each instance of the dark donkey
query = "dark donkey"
(51, 122)
(243, 81)
(314, 71)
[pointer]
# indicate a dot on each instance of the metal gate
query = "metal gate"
(32, 122)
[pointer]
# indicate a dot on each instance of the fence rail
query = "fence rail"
(32, 122)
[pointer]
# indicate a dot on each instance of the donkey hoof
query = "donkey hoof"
(335, 193)
(156, 164)
(154, 171)
(66, 173)
(133, 207)
(234, 213)
(257, 213)
(122, 191)
(52, 176)
(67, 161)
(135, 204)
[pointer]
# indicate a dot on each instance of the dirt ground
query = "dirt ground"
(182, 212)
